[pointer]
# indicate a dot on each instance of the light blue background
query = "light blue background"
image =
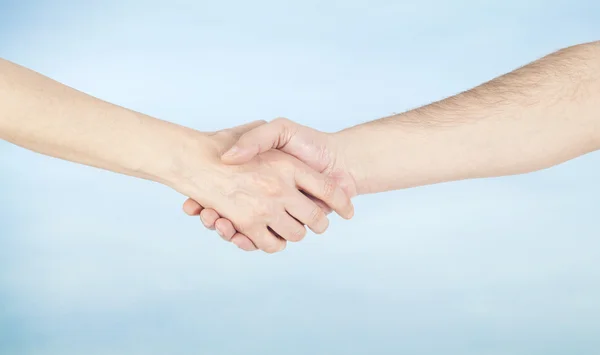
(96, 263)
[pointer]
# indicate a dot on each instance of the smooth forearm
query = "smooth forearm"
(259, 199)
(535, 117)
(45, 116)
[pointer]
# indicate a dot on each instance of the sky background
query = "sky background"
(96, 263)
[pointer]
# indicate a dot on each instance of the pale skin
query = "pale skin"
(533, 118)
(263, 198)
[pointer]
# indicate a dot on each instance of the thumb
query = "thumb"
(262, 138)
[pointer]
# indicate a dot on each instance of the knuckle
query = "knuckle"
(261, 211)
(281, 120)
(316, 215)
(272, 186)
(268, 211)
(274, 190)
(329, 188)
(298, 234)
(323, 153)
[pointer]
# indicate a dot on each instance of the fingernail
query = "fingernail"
(351, 214)
(232, 152)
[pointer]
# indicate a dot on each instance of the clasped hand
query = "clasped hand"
(266, 201)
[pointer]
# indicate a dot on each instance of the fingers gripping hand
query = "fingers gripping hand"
(212, 220)
(283, 219)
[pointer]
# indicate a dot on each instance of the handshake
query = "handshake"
(285, 177)
(260, 184)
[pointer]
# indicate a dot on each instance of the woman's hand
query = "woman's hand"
(319, 150)
(263, 199)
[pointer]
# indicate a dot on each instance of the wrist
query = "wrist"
(351, 156)
(398, 152)
(185, 154)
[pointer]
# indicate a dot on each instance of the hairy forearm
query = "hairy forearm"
(50, 118)
(535, 117)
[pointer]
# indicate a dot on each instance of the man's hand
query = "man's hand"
(535, 117)
(325, 197)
